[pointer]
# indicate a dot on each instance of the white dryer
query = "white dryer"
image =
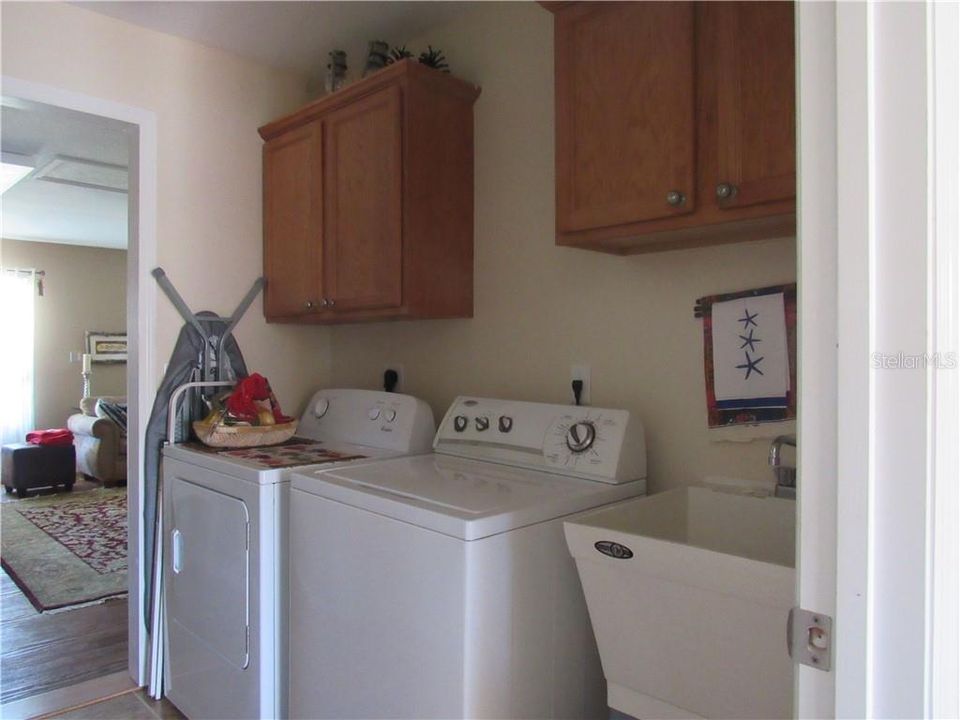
(225, 574)
(440, 586)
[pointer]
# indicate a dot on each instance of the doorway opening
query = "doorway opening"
(69, 252)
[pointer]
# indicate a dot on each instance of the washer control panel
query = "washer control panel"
(593, 443)
(369, 417)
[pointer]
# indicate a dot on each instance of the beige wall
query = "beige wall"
(84, 289)
(539, 308)
(208, 106)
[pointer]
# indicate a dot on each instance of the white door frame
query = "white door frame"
(141, 321)
(817, 360)
(944, 493)
(878, 276)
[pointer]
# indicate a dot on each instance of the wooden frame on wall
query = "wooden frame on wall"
(106, 347)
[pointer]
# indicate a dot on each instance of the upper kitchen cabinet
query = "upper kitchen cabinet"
(292, 196)
(625, 113)
(755, 128)
(368, 201)
(674, 123)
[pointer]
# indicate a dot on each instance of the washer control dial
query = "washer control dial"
(321, 407)
(389, 414)
(505, 423)
(460, 423)
(580, 436)
(482, 422)
(373, 413)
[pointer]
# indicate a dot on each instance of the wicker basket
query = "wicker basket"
(241, 436)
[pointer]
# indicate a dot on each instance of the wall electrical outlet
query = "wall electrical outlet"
(582, 373)
(398, 369)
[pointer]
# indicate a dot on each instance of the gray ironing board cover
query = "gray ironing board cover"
(184, 363)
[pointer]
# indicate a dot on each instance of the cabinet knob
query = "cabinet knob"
(323, 302)
(330, 302)
(726, 190)
(308, 304)
(676, 198)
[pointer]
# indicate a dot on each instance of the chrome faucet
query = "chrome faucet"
(786, 476)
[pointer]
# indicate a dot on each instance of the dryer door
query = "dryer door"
(208, 571)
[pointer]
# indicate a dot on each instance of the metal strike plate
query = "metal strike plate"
(810, 638)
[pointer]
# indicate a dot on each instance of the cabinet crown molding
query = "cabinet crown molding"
(403, 71)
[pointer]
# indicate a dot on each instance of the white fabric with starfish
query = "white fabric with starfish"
(750, 365)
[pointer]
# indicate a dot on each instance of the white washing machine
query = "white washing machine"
(225, 573)
(440, 586)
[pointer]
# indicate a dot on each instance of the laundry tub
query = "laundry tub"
(688, 593)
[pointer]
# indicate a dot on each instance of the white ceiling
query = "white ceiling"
(40, 210)
(289, 35)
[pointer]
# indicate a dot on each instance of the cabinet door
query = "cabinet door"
(362, 200)
(625, 112)
(292, 222)
(755, 102)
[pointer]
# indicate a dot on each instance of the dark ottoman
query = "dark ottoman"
(27, 466)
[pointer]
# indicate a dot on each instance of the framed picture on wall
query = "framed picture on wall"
(106, 347)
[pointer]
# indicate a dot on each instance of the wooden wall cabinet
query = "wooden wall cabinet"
(675, 123)
(368, 202)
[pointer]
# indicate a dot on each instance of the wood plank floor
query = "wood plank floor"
(133, 705)
(44, 651)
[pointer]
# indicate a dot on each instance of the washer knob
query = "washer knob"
(320, 409)
(389, 415)
(483, 422)
(373, 413)
(580, 436)
(505, 423)
(460, 423)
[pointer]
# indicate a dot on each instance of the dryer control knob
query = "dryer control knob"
(389, 415)
(320, 409)
(505, 423)
(580, 436)
(483, 422)
(460, 423)
(373, 413)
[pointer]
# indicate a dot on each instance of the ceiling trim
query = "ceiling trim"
(80, 172)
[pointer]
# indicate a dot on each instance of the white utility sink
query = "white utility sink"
(688, 593)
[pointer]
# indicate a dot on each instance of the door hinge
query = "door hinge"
(810, 638)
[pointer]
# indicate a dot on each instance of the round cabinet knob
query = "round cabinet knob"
(323, 302)
(320, 409)
(460, 423)
(483, 423)
(726, 191)
(373, 413)
(505, 423)
(308, 304)
(580, 436)
(330, 302)
(675, 198)
(389, 415)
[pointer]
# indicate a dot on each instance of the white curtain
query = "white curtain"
(17, 290)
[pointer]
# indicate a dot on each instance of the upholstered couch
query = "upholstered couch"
(101, 444)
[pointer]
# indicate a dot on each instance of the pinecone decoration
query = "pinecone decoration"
(399, 53)
(435, 59)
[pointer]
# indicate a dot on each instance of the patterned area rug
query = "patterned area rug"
(67, 549)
